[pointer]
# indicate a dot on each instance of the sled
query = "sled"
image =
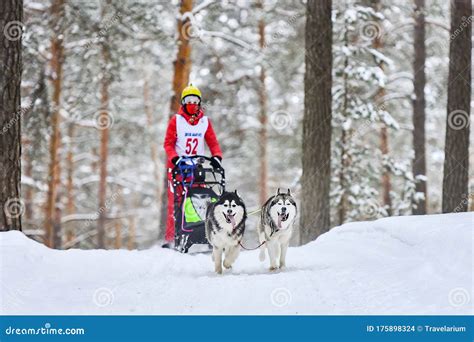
(196, 183)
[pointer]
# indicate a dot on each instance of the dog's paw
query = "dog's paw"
(273, 268)
(228, 266)
(218, 269)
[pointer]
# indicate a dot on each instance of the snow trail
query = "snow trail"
(397, 265)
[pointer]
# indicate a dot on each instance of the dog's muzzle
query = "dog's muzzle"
(284, 214)
(229, 217)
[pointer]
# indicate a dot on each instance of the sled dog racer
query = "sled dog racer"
(187, 133)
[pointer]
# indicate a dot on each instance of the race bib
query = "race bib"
(190, 138)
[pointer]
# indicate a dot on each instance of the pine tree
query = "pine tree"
(356, 73)
(104, 129)
(11, 206)
(182, 68)
(182, 63)
(456, 151)
(262, 98)
(419, 104)
(57, 59)
(316, 177)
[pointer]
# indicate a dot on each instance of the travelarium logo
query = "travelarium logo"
(412, 328)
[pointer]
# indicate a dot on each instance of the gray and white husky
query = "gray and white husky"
(225, 226)
(276, 226)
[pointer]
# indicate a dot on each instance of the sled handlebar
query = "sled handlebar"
(193, 163)
(197, 159)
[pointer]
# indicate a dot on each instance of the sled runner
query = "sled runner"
(196, 183)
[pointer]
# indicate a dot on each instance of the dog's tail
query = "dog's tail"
(262, 248)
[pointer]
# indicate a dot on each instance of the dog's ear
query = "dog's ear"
(289, 192)
(278, 191)
(236, 192)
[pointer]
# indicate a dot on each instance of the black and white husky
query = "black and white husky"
(276, 226)
(225, 226)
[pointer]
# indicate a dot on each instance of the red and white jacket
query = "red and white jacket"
(186, 136)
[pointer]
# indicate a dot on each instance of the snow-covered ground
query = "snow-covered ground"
(398, 265)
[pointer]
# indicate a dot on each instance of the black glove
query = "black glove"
(176, 160)
(216, 162)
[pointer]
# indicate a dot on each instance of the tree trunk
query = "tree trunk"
(164, 204)
(344, 202)
(315, 210)
(39, 93)
(70, 208)
(11, 207)
(182, 63)
(131, 233)
(27, 159)
(57, 60)
(182, 68)
(384, 145)
(153, 145)
(419, 82)
(118, 234)
(57, 239)
(262, 99)
(456, 151)
(104, 139)
(386, 182)
(345, 136)
(95, 159)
